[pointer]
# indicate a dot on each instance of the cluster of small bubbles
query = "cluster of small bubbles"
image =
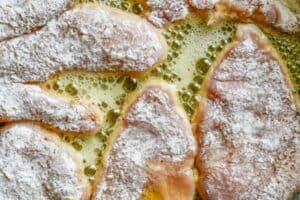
(111, 3)
(189, 99)
(174, 36)
(103, 105)
(99, 151)
(288, 47)
(82, 84)
(190, 95)
(102, 136)
(132, 6)
(120, 99)
(228, 28)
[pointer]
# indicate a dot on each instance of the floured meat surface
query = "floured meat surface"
(166, 11)
(18, 17)
(90, 38)
(154, 148)
(35, 165)
(275, 13)
(271, 12)
(248, 125)
(20, 102)
(203, 4)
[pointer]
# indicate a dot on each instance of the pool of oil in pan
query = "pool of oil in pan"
(193, 47)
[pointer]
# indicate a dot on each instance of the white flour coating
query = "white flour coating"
(166, 11)
(18, 17)
(271, 12)
(90, 38)
(20, 102)
(274, 13)
(249, 127)
(34, 165)
(203, 4)
(153, 129)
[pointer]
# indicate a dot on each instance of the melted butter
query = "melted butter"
(193, 48)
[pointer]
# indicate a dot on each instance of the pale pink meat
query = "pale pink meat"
(248, 125)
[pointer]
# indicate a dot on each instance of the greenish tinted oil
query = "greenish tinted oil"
(175, 37)
(201, 63)
(288, 47)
